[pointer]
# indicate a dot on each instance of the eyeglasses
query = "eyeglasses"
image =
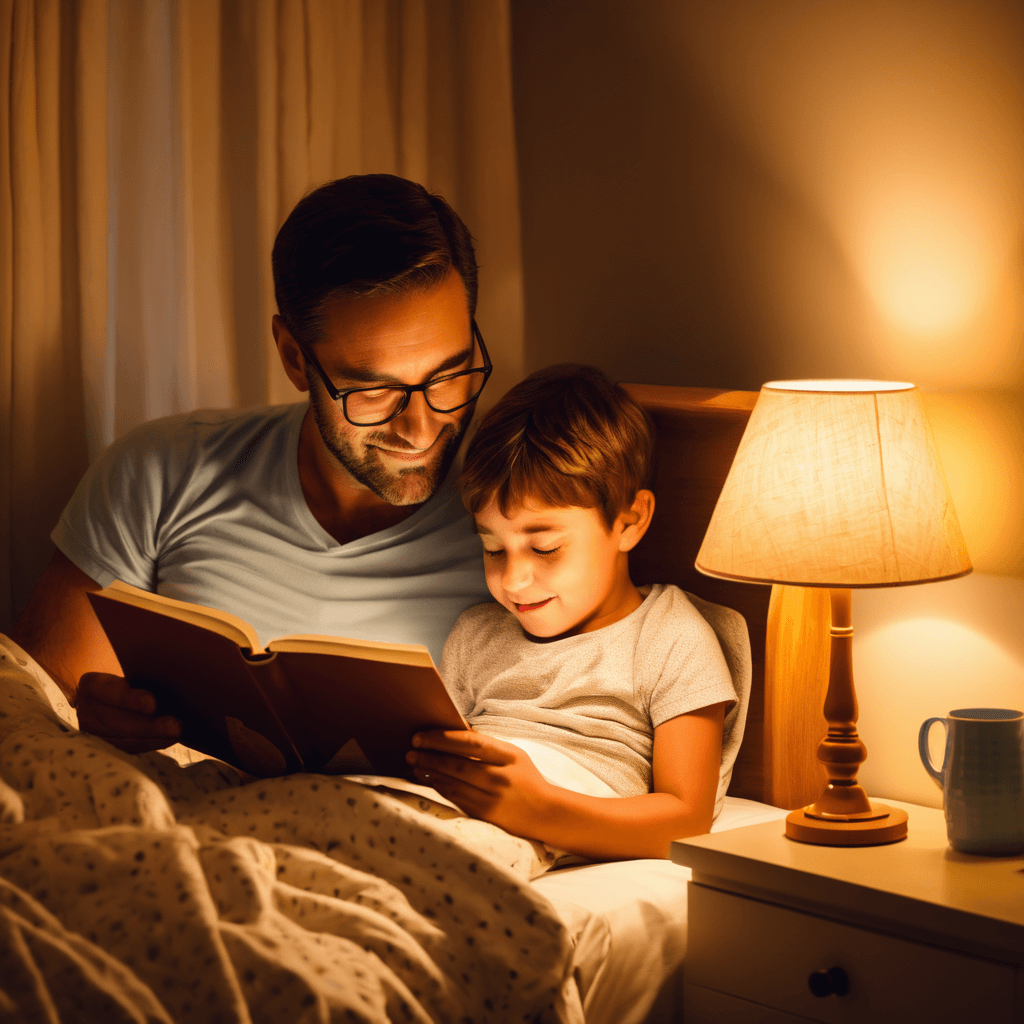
(377, 404)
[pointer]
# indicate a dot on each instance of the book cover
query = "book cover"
(291, 706)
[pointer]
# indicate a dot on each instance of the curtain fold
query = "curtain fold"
(149, 151)
(43, 442)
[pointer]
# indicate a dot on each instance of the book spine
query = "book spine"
(268, 673)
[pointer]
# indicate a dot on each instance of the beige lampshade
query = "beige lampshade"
(836, 483)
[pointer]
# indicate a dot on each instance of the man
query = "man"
(336, 517)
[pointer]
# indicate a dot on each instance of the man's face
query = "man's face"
(395, 339)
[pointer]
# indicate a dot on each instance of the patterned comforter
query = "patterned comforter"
(134, 888)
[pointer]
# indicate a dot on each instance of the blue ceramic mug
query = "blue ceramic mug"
(982, 779)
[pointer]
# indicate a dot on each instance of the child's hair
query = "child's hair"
(565, 436)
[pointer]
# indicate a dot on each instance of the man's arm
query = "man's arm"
(60, 630)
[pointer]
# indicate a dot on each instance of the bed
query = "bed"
(154, 889)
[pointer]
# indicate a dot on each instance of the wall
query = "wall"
(719, 194)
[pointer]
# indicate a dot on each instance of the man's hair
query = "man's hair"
(367, 234)
(565, 436)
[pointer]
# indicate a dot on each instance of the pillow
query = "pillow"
(731, 629)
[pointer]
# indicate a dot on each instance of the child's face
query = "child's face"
(558, 570)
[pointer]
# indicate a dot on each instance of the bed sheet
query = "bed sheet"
(628, 921)
(133, 888)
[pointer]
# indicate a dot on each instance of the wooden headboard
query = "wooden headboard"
(698, 431)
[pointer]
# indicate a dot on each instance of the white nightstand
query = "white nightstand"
(914, 931)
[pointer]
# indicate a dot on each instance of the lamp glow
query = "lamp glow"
(837, 484)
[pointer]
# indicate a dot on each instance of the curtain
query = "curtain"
(149, 151)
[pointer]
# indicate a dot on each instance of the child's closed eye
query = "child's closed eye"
(497, 552)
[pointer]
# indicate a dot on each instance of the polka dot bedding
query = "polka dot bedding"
(140, 889)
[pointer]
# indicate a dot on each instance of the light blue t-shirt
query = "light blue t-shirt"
(207, 507)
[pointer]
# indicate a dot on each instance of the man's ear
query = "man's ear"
(291, 355)
(636, 519)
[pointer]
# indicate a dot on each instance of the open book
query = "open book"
(290, 707)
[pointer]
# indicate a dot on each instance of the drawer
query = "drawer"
(764, 953)
(706, 1006)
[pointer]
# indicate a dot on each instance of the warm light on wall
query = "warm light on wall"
(926, 261)
(888, 136)
(935, 262)
(939, 665)
(980, 439)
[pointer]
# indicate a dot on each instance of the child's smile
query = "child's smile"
(560, 571)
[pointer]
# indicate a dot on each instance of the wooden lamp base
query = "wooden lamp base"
(884, 824)
(843, 815)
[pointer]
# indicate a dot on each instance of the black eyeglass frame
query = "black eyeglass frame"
(341, 397)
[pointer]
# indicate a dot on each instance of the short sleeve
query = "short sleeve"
(710, 662)
(109, 528)
(454, 669)
(477, 639)
(693, 669)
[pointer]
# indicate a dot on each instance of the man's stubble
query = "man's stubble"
(410, 486)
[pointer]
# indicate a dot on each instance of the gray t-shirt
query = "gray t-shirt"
(207, 507)
(599, 696)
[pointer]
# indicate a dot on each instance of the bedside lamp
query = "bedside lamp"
(836, 483)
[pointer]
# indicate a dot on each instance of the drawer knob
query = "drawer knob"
(831, 982)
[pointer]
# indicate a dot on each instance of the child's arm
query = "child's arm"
(496, 781)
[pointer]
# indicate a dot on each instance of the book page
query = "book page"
(213, 619)
(378, 702)
(346, 647)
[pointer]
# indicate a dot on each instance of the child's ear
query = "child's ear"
(636, 519)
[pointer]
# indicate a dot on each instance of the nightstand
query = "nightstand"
(908, 932)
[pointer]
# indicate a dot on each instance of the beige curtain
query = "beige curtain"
(150, 151)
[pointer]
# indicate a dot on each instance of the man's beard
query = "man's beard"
(410, 486)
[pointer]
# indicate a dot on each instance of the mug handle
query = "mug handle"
(926, 758)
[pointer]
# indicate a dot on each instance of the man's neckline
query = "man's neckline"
(373, 538)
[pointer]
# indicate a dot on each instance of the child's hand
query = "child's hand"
(487, 778)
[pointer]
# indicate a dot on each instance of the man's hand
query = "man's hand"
(486, 777)
(109, 708)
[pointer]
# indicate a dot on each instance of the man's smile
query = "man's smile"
(407, 453)
(404, 455)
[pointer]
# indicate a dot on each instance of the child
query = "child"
(619, 693)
